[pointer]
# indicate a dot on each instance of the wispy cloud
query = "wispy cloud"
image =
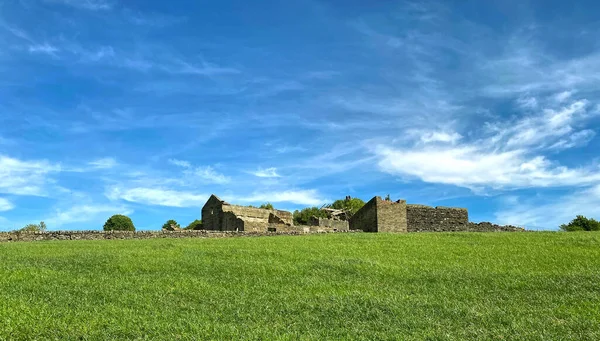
(25, 177)
(204, 69)
(180, 163)
(93, 5)
(44, 49)
(549, 213)
(84, 213)
(209, 174)
(157, 196)
(6, 205)
(440, 136)
(104, 163)
(266, 173)
(483, 163)
(300, 197)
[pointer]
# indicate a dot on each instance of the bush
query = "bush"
(194, 225)
(267, 206)
(119, 222)
(303, 216)
(168, 225)
(351, 205)
(41, 227)
(581, 223)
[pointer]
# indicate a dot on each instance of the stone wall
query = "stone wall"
(391, 216)
(380, 216)
(330, 223)
(365, 219)
(426, 218)
(101, 235)
(489, 227)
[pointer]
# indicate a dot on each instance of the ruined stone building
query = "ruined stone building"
(397, 216)
(218, 215)
(377, 215)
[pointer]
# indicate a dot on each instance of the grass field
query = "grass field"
(436, 286)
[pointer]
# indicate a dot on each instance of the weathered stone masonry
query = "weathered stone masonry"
(380, 216)
(387, 216)
(218, 215)
(111, 235)
(427, 218)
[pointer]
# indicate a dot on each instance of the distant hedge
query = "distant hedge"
(581, 223)
(119, 222)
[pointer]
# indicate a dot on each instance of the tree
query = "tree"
(581, 223)
(303, 216)
(351, 205)
(169, 225)
(41, 227)
(119, 222)
(194, 225)
(267, 206)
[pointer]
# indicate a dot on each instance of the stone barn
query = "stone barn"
(396, 216)
(380, 216)
(218, 215)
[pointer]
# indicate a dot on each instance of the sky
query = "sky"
(146, 108)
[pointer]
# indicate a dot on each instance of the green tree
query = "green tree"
(351, 205)
(303, 216)
(169, 223)
(41, 227)
(581, 223)
(194, 225)
(267, 206)
(119, 222)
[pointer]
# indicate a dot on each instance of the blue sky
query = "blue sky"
(148, 107)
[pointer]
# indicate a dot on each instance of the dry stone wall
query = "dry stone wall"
(101, 235)
(366, 218)
(426, 218)
(391, 216)
(330, 223)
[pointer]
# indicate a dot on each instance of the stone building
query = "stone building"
(388, 216)
(218, 215)
(379, 215)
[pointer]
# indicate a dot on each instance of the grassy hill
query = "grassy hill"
(439, 286)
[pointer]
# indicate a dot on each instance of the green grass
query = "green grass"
(436, 286)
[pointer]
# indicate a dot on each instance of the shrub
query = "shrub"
(303, 216)
(119, 222)
(41, 227)
(351, 205)
(194, 225)
(168, 225)
(581, 223)
(267, 206)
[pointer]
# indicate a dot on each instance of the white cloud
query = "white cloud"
(84, 213)
(580, 138)
(206, 69)
(104, 163)
(208, 174)
(550, 214)
(439, 136)
(473, 167)
(93, 5)
(43, 48)
(180, 163)
(527, 102)
(563, 96)
(25, 177)
(266, 173)
(6, 205)
(300, 197)
(508, 156)
(540, 129)
(157, 196)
